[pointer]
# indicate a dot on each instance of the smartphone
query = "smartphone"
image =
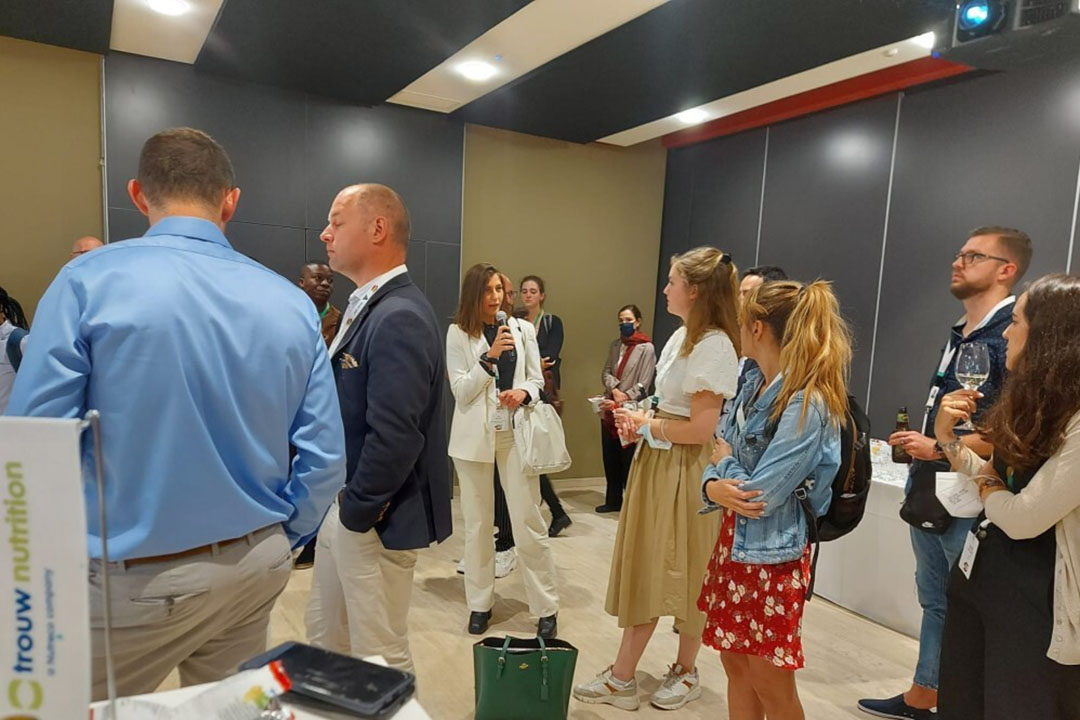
(324, 678)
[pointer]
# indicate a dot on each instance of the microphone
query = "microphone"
(501, 320)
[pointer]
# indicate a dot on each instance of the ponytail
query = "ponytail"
(815, 342)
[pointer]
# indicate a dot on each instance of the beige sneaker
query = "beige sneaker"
(604, 689)
(679, 687)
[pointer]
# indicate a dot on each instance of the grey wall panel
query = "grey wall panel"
(727, 195)
(674, 232)
(712, 196)
(279, 248)
(262, 128)
(417, 262)
(443, 279)
(824, 213)
(1001, 149)
(292, 154)
(126, 224)
(418, 153)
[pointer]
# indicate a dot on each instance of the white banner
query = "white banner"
(44, 613)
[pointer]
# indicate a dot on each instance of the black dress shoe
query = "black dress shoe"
(478, 622)
(548, 627)
(306, 558)
(558, 525)
(605, 508)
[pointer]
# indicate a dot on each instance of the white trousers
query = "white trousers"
(530, 530)
(360, 593)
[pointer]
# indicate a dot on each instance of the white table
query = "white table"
(871, 571)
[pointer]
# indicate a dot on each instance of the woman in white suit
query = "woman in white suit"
(493, 371)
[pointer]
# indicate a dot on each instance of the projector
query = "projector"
(1006, 34)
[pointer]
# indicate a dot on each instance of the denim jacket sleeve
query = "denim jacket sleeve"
(789, 459)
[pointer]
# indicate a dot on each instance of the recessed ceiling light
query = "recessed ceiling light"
(692, 116)
(477, 70)
(169, 7)
(892, 52)
(926, 40)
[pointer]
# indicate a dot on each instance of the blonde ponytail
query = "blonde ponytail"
(815, 342)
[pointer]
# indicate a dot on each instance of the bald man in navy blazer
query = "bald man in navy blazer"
(390, 370)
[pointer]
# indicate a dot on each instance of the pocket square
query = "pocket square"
(348, 362)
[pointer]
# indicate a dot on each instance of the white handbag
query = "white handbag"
(540, 440)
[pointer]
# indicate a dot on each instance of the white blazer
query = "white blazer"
(476, 394)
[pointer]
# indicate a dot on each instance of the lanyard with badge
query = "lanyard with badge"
(971, 547)
(947, 357)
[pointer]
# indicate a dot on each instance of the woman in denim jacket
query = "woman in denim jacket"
(783, 433)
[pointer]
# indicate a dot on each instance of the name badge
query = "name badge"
(971, 548)
(500, 420)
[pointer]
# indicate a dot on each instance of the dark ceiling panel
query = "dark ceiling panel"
(689, 52)
(77, 24)
(363, 51)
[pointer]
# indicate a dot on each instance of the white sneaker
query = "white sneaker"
(605, 689)
(505, 562)
(461, 566)
(679, 687)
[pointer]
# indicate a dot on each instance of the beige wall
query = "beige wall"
(50, 183)
(586, 218)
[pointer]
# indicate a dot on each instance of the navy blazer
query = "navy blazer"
(390, 373)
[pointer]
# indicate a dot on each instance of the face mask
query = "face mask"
(626, 329)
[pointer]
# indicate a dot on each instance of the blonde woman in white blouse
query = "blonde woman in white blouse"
(663, 544)
(1011, 648)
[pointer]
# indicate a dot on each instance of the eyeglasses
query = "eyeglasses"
(974, 258)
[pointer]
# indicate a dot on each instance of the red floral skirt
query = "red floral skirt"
(754, 609)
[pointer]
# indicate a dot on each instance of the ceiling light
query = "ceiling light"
(692, 116)
(926, 40)
(477, 70)
(169, 7)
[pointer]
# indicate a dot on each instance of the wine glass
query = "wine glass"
(972, 370)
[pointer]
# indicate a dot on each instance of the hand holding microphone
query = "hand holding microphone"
(504, 341)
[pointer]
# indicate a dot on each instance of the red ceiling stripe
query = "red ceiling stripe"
(898, 77)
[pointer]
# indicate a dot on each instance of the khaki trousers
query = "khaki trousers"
(530, 530)
(205, 614)
(359, 603)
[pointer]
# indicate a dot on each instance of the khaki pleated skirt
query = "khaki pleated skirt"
(663, 546)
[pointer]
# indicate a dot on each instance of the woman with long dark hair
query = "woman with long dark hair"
(1011, 648)
(490, 383)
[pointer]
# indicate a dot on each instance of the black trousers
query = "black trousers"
(997, 631)
(617, 460)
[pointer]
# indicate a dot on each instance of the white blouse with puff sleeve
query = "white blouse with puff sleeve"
(712, 366)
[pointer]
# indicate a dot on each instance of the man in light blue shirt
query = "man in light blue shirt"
(205, 366)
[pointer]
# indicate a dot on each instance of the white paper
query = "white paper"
(43, 566)
(959, 494)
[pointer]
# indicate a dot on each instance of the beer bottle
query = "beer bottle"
(899, 454)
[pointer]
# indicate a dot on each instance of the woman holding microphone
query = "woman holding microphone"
(494, 368)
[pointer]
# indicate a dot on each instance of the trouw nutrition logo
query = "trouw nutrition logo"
(24, 692)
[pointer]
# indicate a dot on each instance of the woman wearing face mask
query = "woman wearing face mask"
(628, 377)
(1011, 647)
(782, 434)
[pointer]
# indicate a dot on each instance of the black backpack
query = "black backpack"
(850, 486)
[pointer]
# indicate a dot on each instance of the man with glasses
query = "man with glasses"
(984, 272)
